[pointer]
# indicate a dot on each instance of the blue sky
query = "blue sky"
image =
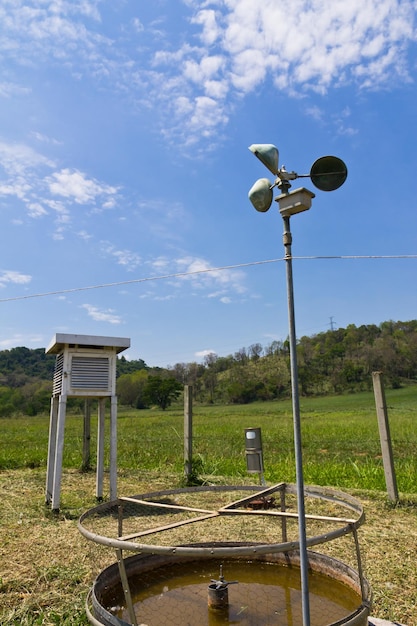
(124, 166)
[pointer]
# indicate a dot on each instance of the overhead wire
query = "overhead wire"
(201, 271)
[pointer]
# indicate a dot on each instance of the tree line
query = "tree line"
(331, 362)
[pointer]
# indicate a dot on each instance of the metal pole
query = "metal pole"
(287, 239)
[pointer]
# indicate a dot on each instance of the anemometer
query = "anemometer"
(327, 174)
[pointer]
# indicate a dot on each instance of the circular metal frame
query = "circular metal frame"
(132, 543)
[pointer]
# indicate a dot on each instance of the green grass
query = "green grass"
(47, 568)
(340, 436)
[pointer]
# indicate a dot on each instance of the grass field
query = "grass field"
(341, 445)
(47, 568)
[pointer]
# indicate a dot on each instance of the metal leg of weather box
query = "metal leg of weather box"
(113, 448)
(60, 429)
(100, 448)
(126, 588)
(53, 422)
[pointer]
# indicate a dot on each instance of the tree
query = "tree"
(123, 366)
(130, 388)
(255, 351)
(161, 391)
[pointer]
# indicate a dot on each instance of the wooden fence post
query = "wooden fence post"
(385, 437)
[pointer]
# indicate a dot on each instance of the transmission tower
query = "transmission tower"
(332, 324)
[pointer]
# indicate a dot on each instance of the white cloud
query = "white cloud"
(125, 257)
(14, 277)
(34, 29)
(75, 186)
(160, 218)
(192, 276)
(84, 235)
(208, 68)
(211, 31)
(207, 115)
(19, 159)
(7, 90)
(203, 353)
(11, 342)
(35, 209)
(105, 315)
(249, 70)
(161, 265)
(22, 166)
(304, 45)
(18, 187)
(56, 192)
(200, 273)
(137, 24)
(231, 48)
(313, 44)
(316, 113)
(19, 339)
(44, 138)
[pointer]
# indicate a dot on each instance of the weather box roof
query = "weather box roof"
(60, 341)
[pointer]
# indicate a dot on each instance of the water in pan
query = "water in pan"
(266, 594)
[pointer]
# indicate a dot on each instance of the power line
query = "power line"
(205, 271)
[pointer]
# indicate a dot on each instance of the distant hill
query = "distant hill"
(19, 366)
(336, 361)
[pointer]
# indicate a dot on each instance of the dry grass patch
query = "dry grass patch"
(47, 567)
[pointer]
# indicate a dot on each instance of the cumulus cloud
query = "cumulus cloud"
(211, 31)
(13, 277)
(311, 44)
(102, 315)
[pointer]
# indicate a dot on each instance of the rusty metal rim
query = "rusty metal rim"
(320, 563)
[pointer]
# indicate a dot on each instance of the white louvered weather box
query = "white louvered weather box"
(85, 364)
(85, 367)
